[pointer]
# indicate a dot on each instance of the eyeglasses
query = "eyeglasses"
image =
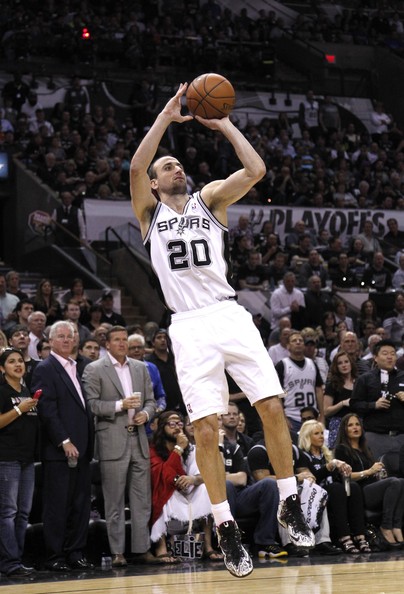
(174, 424)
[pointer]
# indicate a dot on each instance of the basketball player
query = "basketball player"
(186, 237)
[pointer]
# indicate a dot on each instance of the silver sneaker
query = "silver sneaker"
(290, 516)
(236, 558)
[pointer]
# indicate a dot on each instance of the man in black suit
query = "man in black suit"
(67, 438)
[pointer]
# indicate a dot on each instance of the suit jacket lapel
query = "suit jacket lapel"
(68, 382)
(112, 374)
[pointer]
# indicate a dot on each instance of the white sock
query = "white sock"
(287, 487)
(221, 512)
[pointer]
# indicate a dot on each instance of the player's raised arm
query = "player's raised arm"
(224, 192)
(143, 201)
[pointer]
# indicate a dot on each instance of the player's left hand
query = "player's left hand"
(213, 124)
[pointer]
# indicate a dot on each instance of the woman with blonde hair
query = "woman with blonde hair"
(345, 504)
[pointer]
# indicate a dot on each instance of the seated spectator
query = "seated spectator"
(279, 351)
(317, 302)
(398, 277)
(337, 393)
(368, 313)
(332, 253)
(13, 285)
(346, 513)
(357, 258)
(43, 349)
(277, 269)
(311, 351)
(385, 495)
(46, 302)
(8, 303)
(370, 242)
(95, 313)
(239, 253)
(177, 486)
(230, 422)
(30, 106)
(377, 276)
(270, 248)
(243, 228)
(48, 170)
(77, 295)
(292, 239)
(343, 275)
(369, 328)
(313, 500)
(71, 313)
(393, 321)
(394, 238)
(313, 266)
(300, 254)
(40, 121)
(349, 342)
(21, 312)
(380, 120)
(252, 276)
(287, 300)
(368, 353)
(246, 499)
(329, 337)
(341, 309)
(100, 335)
(108, 314)
(242, 423)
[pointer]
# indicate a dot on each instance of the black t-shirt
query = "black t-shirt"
(338, 396)
(18, 439)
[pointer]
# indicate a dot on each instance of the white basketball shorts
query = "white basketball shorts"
(209, 340)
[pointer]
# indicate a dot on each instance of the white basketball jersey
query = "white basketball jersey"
(189, 255)
(300, 387)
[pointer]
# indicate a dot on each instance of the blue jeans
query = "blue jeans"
(16, 490)
(262, 497)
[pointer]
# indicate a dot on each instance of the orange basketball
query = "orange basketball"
(210, 96)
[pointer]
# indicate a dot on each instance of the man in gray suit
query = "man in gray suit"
(121, 442)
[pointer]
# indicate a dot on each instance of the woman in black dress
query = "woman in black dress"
(386, 495)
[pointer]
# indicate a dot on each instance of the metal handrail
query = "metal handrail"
(143, 262)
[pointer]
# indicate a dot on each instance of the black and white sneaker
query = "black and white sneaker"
(290, 516)
(236, 558)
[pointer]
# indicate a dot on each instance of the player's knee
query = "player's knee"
(269, 407)
(206, 433)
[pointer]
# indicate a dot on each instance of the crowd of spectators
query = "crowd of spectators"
(85, 149)
(189, 31)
